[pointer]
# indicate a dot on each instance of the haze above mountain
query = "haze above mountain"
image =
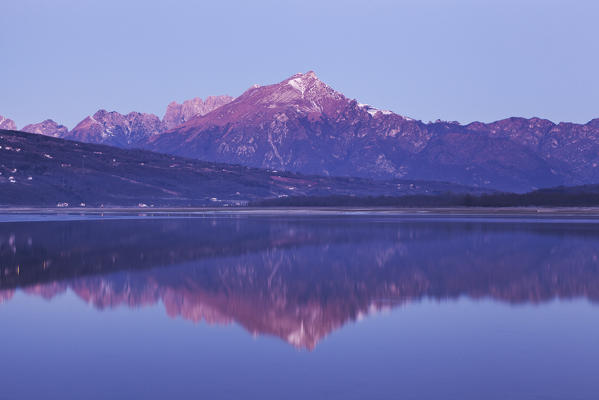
(303, 125)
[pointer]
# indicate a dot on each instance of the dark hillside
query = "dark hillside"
(37, 170)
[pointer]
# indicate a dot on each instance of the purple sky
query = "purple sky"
(454, 59)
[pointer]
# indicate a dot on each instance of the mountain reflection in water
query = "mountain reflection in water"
(296, 278)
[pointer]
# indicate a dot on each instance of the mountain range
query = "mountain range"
(303, 125)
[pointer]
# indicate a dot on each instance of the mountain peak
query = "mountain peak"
(302, 92)
(114, 128)
(177, 114)
(308, 76)
(101, 113)
(303, 82)
(8, 124)
(48, 127)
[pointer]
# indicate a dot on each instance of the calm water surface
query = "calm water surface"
(328, 307)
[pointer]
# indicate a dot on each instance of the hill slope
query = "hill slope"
(37, 170)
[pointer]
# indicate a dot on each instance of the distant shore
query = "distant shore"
(412, 211)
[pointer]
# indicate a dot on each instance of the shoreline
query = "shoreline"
(408, 211)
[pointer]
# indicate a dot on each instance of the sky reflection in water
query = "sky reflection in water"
(378, 307)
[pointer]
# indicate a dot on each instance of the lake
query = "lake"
(328, 306)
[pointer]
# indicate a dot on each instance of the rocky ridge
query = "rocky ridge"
(177, 114)
(6, 123)
(48, 128)
(303, 125)
(130, 130)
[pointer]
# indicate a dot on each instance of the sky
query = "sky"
(457, 60)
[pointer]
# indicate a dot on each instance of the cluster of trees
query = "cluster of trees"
(556, 197)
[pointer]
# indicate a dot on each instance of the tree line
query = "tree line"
(556, 197)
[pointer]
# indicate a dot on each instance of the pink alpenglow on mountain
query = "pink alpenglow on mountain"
(48, 128)
(303, 125)
(135, 129)
(6, 123)
(113, 128)
(177, 114)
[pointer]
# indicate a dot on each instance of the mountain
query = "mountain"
(303, 125)
(48, 128)
(115, 129)
(133, 130)
(6, 123)
(177, 114)
(37, 170)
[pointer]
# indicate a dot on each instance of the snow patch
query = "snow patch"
(373, 110)
(369, 109)
(298, 84)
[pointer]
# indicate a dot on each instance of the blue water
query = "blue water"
(303, 307)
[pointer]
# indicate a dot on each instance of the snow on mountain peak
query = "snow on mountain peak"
(369, 109)
(302, 81)
(373, 111)
(298, 84)
(303, 89)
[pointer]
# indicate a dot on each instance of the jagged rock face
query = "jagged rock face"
(303, 125)
(299, 124)
(177, 114)
(7, 124)
(113, 128)
(570, 150)
(135, 129)
(48, 128)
